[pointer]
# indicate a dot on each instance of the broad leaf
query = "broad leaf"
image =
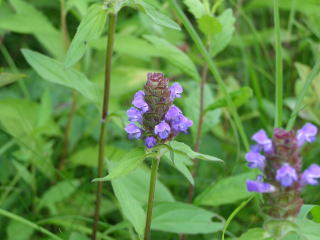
(196, 7)
(154, 14)
(127, 164)
(209, 25)
(89, 29)
(19, 231)
(174, 55)
(185, 149)
(239, 97)
(225, 191)
(308, 229)
(54, 71)
(178, 217)
(222, 39)
(255, 234)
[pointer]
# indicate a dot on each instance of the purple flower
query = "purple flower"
(310, 175)
(258, 186)
(181, 124)
(255, 160)
(162, 130)
(256, 148)
(262, 139)
(133, 131)
(307, 134)
(176, 91)
(134, 115)
(138, 101)
(173, 113)
(286, 175)
(150, 142)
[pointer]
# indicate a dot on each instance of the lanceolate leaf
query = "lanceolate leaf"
(54, 71)
(89, 29)
(178, 217)
(196, 7)
(7, 78)
(127, 164)
(185, 149)
(154, 14)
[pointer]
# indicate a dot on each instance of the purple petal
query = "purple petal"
(306, 134)
(181, 124)
(255, 160)
(176, 91)
(134, 115)
(310, 175)
(260, 187)
(138, 101)
(162, 130)
(150, 142)
(261, 138)
(286, 175)
(173, 113)
(133, 131)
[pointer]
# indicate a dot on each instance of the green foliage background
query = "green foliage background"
(51, 90)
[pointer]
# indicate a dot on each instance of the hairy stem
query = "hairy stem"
(105, 109)
(279, 68)
(152, 188)
(214, 70)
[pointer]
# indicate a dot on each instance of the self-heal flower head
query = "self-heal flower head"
(262, 139)
(176, 91)
(162, 130)
(134, 115)
(150, 142)
(255, 160)
(286, 175)
(307, 134)
(259, 186)
(133, 131)
(139, 102)
(310, 175)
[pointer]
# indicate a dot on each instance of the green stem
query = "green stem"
(152, 189)
(105, 110)
(212, 67)
(28, 223)
(315, 71)
(279, 70)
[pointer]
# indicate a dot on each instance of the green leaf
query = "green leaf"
(90, 28)
(154, 14)
(8, 78)
(127, 164)
(305, 209)
(225, 191)
(19, 231)
(77, 236)
(185, 149)
(54, 71)
(59, 192)
(185, 218)
(23, 172)
(209, 25)
(239, 98)
(195, 7)
(24, 21)
(316, 213)
(223, 38)
(174, 55)
(255, 234)
(308, 229)
(181, 163)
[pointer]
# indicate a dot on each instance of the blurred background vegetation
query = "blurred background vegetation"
(49, 132)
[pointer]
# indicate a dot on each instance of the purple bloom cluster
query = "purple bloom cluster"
(280, 163)
(153, 115)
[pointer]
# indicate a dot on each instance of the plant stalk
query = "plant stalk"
(105, 109)
(214, 70)
(152, 189)
(279, 67)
